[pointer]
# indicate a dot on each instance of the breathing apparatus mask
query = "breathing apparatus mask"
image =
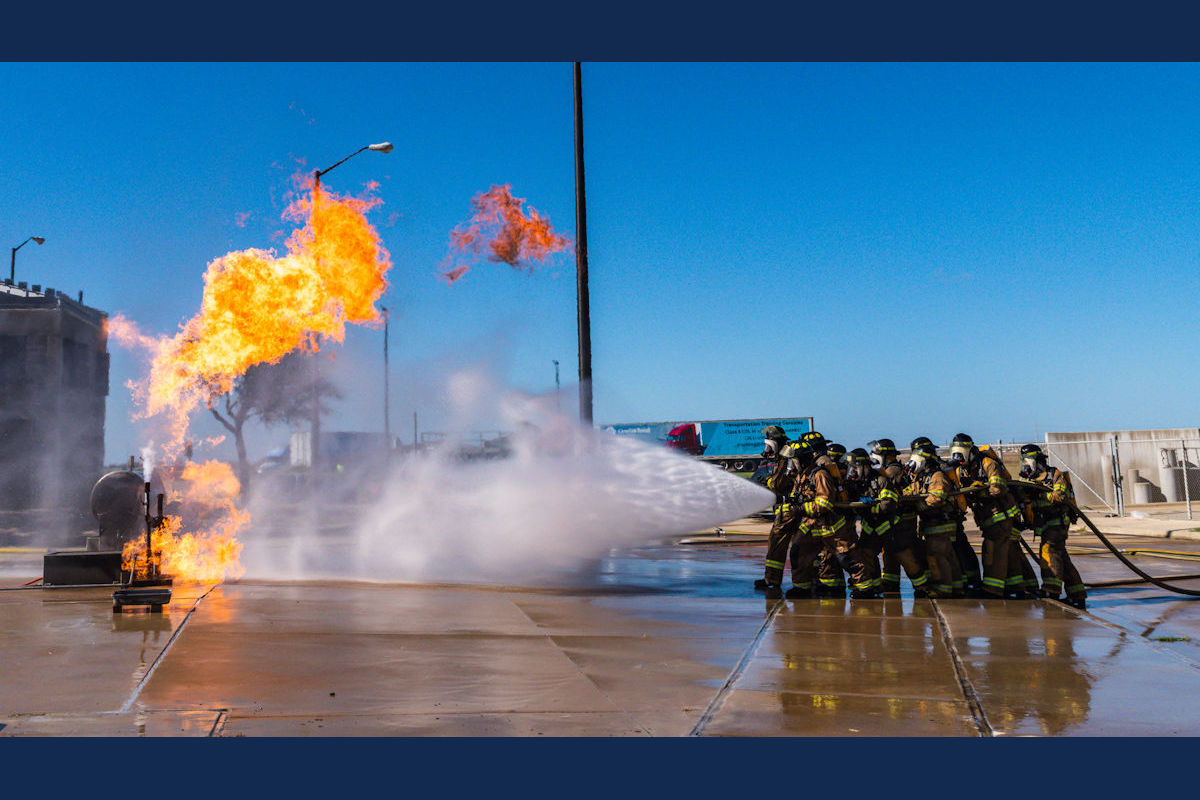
(962, 451)
(857, 466)
(924, 459)
(773, 440)
(1033, 460)
(881, 451)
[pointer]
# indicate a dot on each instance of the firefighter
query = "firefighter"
(991, 506)
(820, 489)
(1022, 582)
(968, 562)
(874, 519)
(936, 523)
(831, 580)
(901, 546)
(782, 482)
(840, 550)
(812, 501)
(1053, 512)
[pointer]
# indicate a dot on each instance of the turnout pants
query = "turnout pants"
(967, 560)
(843, 550)
(1057, 570)
(1021, 577)
(787, 522)
(997, 537)
(804, 553)
(906, 550)
(943, 564)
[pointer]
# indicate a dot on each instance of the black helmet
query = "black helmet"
(814, 441)
(1033, 460)
(858, 464)
(835, 451)
(963, 450)
(773, 432)
(800, 453)
(773, 440)
(924, 458)
(917, 442)
(881, 452)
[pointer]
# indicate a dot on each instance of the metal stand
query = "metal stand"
(154, 590)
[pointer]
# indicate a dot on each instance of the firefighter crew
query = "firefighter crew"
(1053, 512)
(936, 524)
(900, 544)
(782, 482)
(813, 499)
(991, 506)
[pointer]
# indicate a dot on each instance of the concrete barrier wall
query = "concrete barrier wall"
(1087, 455)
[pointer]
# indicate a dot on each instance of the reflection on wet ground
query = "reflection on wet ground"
(658, 640)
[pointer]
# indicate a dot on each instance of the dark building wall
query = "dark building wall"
(53, 385)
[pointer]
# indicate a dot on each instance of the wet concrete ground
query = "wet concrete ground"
(658, 641)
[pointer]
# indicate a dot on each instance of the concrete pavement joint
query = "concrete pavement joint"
(550, 638)
(719, 699)
(960, 672)
(137, 690)
(219, 723)
(1083, 613)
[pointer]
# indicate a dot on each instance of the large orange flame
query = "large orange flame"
(256, 308)
(501, 228)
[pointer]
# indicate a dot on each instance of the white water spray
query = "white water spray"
(563, 498)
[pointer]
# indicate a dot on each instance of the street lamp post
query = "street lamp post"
(12, 272)
(314, 444)
(557, 392)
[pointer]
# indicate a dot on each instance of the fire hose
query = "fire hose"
(1104, 539)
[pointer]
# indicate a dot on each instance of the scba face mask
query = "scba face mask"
(960, 455)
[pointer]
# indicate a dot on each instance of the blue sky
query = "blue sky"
(893, 249)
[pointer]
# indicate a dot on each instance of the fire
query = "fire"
(501, 227)
(200, 542)
(257, 307)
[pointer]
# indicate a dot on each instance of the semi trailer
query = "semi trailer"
(732, 444)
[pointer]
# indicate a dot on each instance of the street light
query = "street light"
(314, 446)
(12, 272)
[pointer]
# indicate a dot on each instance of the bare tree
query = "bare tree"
(273, 394)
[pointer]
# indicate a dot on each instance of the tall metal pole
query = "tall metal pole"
(314, 445)
(557, 388)
(315, 428)
(581, 263)
(387, 420)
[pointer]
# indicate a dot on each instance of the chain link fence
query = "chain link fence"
(1155, 470)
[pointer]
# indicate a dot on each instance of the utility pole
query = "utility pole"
(557, 388)
(581, 263)
(387, 421)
